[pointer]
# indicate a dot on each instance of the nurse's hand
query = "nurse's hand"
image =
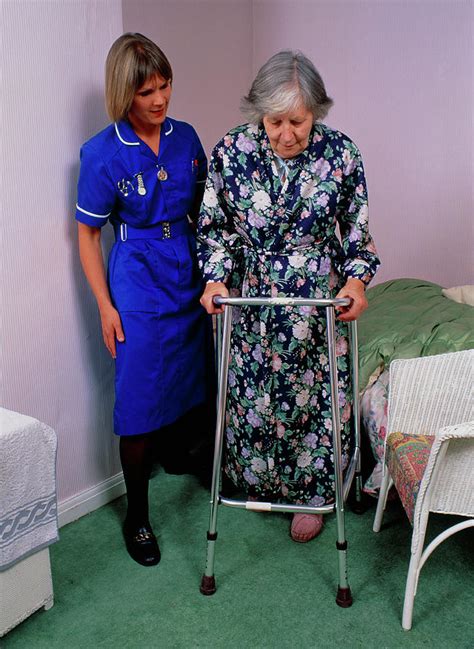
(355, 290)
(213, 289)
(111, 328)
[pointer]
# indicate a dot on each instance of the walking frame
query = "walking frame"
(342, 485)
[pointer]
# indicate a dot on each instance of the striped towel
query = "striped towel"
(28, 511)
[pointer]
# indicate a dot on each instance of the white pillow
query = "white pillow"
(462, 294)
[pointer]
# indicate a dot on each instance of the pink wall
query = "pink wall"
(54, 364)
(400, 73)
(209, 44)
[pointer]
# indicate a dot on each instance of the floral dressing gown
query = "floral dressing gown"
(264, 234)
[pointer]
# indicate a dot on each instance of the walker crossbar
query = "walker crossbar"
(342, 486)
(290, 507)
(280, 301)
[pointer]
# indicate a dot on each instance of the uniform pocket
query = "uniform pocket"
(181, 185)
(133, 277)
(133, 205)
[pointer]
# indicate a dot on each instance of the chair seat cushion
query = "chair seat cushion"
(407, 457)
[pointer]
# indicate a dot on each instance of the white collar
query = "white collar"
(137, 142)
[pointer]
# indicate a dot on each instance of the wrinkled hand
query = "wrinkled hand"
(213, 289)
(355, 290)
(111, 328)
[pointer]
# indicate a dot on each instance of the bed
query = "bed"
(406, 318)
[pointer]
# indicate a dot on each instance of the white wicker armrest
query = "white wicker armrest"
(458, 431)
(448, 482)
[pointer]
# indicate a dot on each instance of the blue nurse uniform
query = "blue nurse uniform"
(162, 367)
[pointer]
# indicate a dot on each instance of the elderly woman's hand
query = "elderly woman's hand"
(213, 289)
(355, 290)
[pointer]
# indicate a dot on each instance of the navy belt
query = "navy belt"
(163, 230)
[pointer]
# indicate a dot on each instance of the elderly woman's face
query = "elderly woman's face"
(289, 132)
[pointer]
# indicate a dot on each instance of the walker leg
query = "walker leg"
(358, 506)
(208, 582)
(344, 596)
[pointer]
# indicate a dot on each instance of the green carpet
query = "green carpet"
(271, 593)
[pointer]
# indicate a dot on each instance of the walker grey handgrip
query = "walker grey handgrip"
(218, 300)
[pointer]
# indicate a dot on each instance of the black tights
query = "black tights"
(136, 455)
(171, 444)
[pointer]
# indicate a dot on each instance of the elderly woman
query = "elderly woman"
(277, 190)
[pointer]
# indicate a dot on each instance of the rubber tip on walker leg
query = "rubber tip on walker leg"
(359, 506)
(208, 585)
(344, 597)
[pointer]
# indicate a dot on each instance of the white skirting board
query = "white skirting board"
(87, 501)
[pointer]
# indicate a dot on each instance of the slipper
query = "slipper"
(305, 527)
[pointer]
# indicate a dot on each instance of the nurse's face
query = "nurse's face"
(289, 132)
(150, 103)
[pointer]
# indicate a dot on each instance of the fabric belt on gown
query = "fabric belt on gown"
(257, 258)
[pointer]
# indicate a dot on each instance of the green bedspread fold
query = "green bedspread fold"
(407, 318)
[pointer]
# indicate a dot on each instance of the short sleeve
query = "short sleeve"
(95, 190)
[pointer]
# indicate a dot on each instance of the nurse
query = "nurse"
(145, 174)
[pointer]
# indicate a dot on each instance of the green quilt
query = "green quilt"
(407, 318)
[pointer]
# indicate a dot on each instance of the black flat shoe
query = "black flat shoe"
(142, 545)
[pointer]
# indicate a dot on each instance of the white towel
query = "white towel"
(28, 511)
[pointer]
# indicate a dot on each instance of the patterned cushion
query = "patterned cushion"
(407, 456)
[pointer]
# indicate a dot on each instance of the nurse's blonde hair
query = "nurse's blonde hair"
(131, 60)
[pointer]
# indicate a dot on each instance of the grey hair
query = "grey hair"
(287, 80)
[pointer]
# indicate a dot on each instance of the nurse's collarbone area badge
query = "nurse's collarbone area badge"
(162, 174)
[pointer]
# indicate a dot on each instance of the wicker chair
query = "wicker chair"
(429, 452)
